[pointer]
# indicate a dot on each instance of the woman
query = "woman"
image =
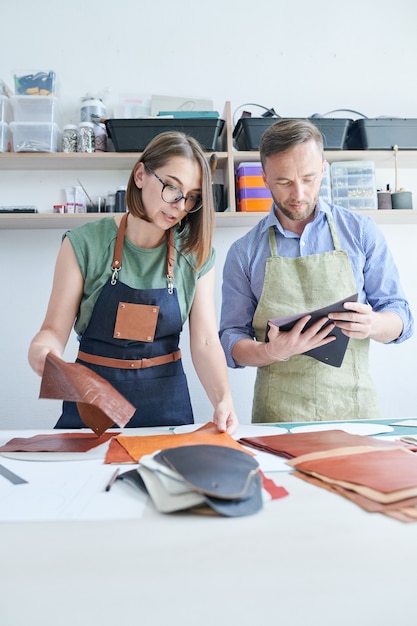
(130, 282)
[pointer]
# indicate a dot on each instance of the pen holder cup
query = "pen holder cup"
(402, 200)
(384, 200)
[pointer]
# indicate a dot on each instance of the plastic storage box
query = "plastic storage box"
(5, 143)
(254, 204)
(251, 194)
(383, 134)
(326, 185)
(252, 168)
(353, 184)
(249, 130)
(133, 135)
(35, 83)
(35, 136)
(5, 109)
(40, 109)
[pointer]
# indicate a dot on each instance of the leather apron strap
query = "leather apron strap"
(116, 265)
(129, 364)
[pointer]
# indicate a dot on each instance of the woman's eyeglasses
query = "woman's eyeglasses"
(171, 194)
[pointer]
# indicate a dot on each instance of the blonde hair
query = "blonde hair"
(196, 228)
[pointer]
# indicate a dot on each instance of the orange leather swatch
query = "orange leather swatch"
(116, 453)
(100, 405)
(137, 446)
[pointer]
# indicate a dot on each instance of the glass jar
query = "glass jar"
(92, 110)
(86, 138)
(69, 138)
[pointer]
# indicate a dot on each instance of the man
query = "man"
(306, 255)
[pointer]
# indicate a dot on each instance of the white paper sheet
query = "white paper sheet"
(407, 422)
(66, 491)
(354, 428)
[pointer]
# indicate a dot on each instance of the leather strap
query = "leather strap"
(118, 252)
(118, 249)
(127, 364)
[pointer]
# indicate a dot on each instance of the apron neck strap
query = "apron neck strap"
(116, 265)
(170, 260)
(118, 248)
(273, 246)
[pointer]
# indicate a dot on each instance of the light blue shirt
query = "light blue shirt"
(376, 274)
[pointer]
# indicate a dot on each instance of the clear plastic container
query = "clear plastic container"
(5, 109)
(5, 137)
(326, 185)
(354, 185)
(35, 82)
(35, 137)
(39, 109)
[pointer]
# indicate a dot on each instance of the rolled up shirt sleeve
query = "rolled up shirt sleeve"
(243, 277)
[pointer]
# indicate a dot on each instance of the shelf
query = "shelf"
(58, 221)
(76, 161)
(228, 220)
(126, 160)
(381, 158)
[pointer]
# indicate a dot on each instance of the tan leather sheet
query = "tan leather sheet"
(136, 446)
(403, 511)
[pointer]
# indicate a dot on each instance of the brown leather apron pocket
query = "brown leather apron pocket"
(136, 321)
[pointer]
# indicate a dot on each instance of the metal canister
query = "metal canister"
(120, 200)
(86, 138)
(69, 138)
(92, 110)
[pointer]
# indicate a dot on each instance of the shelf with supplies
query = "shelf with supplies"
(228, 159)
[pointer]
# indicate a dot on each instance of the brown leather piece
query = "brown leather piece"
(136, 322)
(367, 471)
(116, 453)
(403, 511)
(60, 442)
(137, 446)
(296, 444)
(99, 403)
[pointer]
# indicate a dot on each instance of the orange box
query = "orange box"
(250, 181)
(254, 204)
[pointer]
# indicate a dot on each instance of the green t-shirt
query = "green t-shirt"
(142, 268)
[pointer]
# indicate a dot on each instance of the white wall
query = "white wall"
(300, 59)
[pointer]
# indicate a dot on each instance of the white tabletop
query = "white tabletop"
(309, 558)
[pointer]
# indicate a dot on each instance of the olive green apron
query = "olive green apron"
(303, 388)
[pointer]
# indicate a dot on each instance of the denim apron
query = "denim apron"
(304, 389)
(148, 372)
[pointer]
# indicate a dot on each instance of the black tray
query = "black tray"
(249, 130)
(383, 134)
(133, 135)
